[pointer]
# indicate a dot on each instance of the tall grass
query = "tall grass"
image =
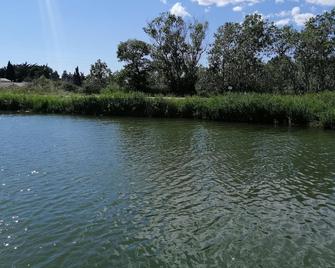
(234, 107)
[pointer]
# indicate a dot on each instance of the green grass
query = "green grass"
(316, 109)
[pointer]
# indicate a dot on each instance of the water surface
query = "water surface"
(88, 192)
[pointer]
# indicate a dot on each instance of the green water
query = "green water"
(88, 192)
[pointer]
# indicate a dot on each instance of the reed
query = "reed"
(306, 109)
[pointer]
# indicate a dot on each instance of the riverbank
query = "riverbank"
(316, 109)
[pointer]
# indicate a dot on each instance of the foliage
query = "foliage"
(136, 71)
(315, 53)
(77, 78)
(235, 56)
(10, 72)
(98, 78)
(252, 56)
(237, 107)
(100, 72)
(176, 51)
(27, 72)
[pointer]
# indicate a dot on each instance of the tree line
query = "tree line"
(254, 55)
(27, 72)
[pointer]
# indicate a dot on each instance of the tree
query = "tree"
(28, 72)
(67, 77)
(10, 72)
(100, 72)
(236, 55)
(98, 77)
(208, 82)
(316, 51)
(36, 71)
(55, 76)
(136, 71)
(223, 57)
(2, 72)
(281, 69)
(64, 76)
(22, 72)
(176, 51)
(77, 79)
(254, 43)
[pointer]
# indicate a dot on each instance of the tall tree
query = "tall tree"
(316, 51)
(65, 76)
(136, 71)
(54, 76)
(10, 72)
(100, 72)
(2, 72)
(254, 42)
(176, 50)
(223, 56)
(281, 68)
(98, 78)
(77, 77)
(236, 55)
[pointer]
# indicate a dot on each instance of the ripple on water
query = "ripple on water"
(86, 192)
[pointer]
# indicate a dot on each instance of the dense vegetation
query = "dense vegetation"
(312, 108)
(256, 72)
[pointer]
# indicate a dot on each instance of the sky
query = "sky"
(69, 33)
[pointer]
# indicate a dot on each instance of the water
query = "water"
(87, 192)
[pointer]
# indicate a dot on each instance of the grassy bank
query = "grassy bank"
(316, 109)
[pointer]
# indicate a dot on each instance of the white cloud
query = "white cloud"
(179, 10)
(280, 14)
(283, 13)
(279, 1)
(283, 22)
(294, 15)
(164, 1)
(322, 2)
(237, 9)
(221, 3)
(300, 18)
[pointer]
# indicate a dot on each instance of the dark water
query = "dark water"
(85, 192)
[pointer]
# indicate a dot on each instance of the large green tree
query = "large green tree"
(223, 57)
(281, 69)
(236, 55)
(316, 51)
(177, 47)
(135, 54)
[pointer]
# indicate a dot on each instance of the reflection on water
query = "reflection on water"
(85, 192)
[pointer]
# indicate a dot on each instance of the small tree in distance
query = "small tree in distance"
(98, 78)
(77, 77)
(10, 72)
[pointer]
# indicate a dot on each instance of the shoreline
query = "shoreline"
(313, 110)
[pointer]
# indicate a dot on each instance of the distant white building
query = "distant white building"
(4, 82)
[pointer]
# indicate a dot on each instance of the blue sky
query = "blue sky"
(67, 33)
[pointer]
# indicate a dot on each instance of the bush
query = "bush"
(92, 86)
(66, 86)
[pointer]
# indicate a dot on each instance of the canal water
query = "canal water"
(130, 192)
